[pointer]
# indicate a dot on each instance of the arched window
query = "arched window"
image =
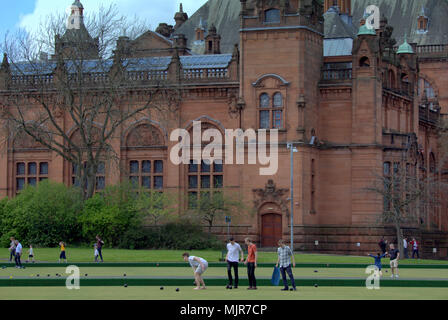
(205, 179)
(278, 100)
(432, 163)
(364, 62)
(271, 111)
(265, 100)
(405, 83)
(145, 157)
(426, 88)
(386, 169)
(391, 77)
(34, 169)
(272, 16)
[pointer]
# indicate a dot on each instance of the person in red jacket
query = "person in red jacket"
(414, 245)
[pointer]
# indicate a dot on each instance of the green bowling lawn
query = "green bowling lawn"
(117, 255)
(214, 272)
(218, 293)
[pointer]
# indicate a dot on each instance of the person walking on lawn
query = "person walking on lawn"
(251, 262)
(414, 245)
(234, 255)
(18, 254)
(99, 247)
(383, 245)
(285, 255)
(12, 249)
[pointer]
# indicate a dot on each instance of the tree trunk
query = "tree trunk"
(399, 246)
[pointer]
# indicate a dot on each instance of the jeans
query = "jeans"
(415, 252)
(233, 265)
(17, 260)
(406, 253)
(291, 276)
(12, 255)
(251, 274)
(100, 254)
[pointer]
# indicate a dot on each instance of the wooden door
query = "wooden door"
(271, 230)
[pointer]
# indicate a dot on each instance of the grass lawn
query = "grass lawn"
(218, 293)
(214, 272)
(117, 255)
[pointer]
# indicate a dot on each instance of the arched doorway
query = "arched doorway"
(271, 230)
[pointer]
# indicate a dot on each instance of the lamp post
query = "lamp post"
(292, 150)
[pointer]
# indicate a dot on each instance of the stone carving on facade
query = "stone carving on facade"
(145, 136)
(234, 108)
(271, 194)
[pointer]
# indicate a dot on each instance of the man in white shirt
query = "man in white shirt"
(405, 248)
(18, 254)
(199, 266)
(233, 258)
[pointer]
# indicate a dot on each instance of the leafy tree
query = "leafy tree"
(43, 215)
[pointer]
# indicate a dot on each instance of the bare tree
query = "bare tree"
(81, 87)
(406, 195)
(212, 207)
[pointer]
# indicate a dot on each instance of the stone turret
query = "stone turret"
(213, 41)
(5, 73)
(76, 43)
(180, 17)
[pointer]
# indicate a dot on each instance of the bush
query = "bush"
(111, 221)
(50, 213)
(42, 216)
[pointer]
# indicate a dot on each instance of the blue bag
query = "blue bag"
(275, 280)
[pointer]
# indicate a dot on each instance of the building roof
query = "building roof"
(218, 61)
(338, 47)
(336, 27)
(223, 14)
(403, 16)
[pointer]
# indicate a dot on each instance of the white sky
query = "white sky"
(153, 11)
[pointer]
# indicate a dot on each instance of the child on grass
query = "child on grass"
(30, 254)
(378, 258)
(62, 255)
(96, 253)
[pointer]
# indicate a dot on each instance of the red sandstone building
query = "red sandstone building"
(352, 100)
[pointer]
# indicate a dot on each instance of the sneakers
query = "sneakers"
(285, 289)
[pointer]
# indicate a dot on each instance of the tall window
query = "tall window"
(272, 16)
(203, 180)
(313, 186)
(387, 185)
(147, 174)
(30, 173)
(100, 182)
(271, 111)
(432, 163)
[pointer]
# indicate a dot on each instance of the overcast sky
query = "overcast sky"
(27, 13)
